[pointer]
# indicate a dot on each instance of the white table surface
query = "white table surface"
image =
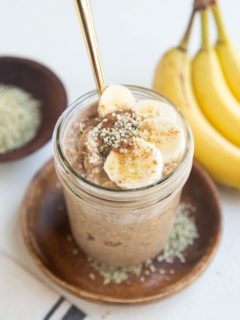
(133, 34)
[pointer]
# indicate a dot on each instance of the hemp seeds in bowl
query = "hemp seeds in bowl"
(20, 117)
(32, 98)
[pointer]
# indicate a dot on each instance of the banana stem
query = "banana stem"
(185, 39)
(205, 30)
(202, 4)
(222, 36)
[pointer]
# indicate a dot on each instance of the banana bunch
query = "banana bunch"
(207, 90)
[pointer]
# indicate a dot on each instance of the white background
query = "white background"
(132, 34)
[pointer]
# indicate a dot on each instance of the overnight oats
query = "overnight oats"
(123, 161)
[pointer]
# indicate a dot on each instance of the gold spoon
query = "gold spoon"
(86, 20)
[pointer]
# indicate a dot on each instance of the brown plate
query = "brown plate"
(45, 229)
(44, 85)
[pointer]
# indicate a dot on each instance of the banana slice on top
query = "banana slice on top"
(140, 166)
(166, 135)
(115, 98)
(152, 108)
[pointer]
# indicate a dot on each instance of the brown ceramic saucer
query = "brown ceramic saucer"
(45, 229)
(44, 85)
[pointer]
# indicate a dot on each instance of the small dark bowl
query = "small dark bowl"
(45, 86)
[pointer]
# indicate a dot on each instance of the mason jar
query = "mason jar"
(120, 227)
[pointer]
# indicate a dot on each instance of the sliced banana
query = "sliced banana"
(140, 166)
(152, 108)
(166, 135)
(115, 98)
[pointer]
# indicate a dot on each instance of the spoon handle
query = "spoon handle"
(86, 20)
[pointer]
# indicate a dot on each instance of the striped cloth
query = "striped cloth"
(23, 297)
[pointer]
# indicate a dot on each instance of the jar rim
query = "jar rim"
(58, 148)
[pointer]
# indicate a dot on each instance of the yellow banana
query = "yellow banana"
(173, 80)
(211, 90)
(228, 56)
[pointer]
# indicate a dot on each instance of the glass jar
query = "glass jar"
(120, 227)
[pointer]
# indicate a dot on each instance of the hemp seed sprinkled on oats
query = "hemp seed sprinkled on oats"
(162, 271)
(117, 132)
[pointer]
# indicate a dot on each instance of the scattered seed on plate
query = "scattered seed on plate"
(183, 235)
(75, 252)
(69, 238)
(92, 276)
